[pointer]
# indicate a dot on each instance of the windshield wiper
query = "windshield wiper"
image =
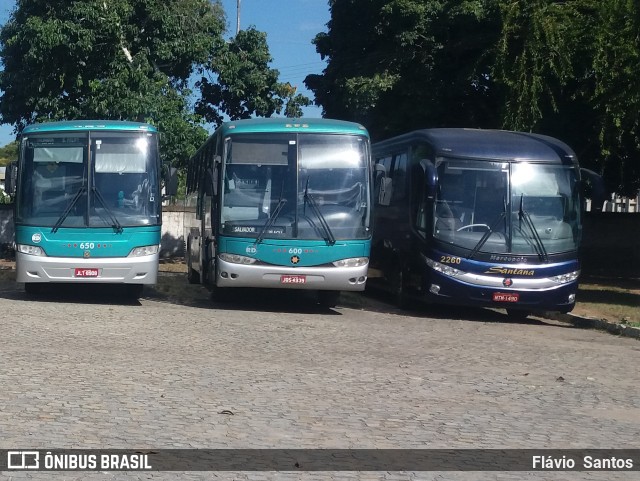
(490, 231)
(538, 244)
(274, 215)
(329, 237)
(66, 212)
(115, 224)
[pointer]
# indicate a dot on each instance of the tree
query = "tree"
(405, 64)
(122, 59)
(8, 153)
(569, 69)
(534, 58)
(566, 69)
(616, 93)
(239, 83)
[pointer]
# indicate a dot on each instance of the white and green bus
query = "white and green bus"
(281, 203)
(88, 204)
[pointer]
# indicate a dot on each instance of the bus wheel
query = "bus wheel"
(192, 276)
(517, 314)
(33, 288)
(220, 294)
(397, 288)
(328, 298)
(134, 291)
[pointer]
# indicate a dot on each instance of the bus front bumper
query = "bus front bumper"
(267, 276)
(446, 290)
(127, 270)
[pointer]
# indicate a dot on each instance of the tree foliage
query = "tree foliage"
(239, 82)
(616, 92)
(534, 57)
(564, 68)
(121, 59)
(570, 69)
(397, 64)
(8, 153)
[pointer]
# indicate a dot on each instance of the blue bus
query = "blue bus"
(281, 203)
(88, 204)
(482, 218)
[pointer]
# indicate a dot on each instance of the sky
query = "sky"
(290, 26)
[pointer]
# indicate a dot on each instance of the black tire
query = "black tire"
(33, 288)
(517, 314)
(222, 294)
(398, 290)
(193, 277)
(328, 298)
(134, 291)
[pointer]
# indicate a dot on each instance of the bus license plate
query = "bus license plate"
(502, 297)
(293, 279)
(85, 272)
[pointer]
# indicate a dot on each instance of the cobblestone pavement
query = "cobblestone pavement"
(84, 369)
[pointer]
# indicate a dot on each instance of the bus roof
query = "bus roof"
(275, 125)
(85, 125)
(486, 144)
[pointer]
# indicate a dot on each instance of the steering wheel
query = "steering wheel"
(473, 225)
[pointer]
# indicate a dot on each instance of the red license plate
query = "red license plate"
(293, 279)
(86, 272)
(504, 297)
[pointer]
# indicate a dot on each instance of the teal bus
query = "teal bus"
(88, 204)
(281, 203)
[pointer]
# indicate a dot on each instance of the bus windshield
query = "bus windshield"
(102, 179)
(306, 186)
(507, 207)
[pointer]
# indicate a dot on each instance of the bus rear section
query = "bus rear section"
(88, 206)
(490, 219)
(290, 207)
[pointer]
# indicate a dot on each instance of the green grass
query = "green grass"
(616, 300)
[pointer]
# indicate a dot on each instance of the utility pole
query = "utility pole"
(238, 18)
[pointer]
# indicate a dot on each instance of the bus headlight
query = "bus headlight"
(443, 268)
(144, 251)
(236, 259)
(31, 250)
(352, 262)
(564, 278)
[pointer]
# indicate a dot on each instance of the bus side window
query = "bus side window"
(399, 177)
(384, 186)
(450, 212)
(386, 191)
(419, 204)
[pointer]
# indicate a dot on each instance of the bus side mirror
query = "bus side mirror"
(10, 178)
(170, 177)
(430, 178)
(384, 188)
